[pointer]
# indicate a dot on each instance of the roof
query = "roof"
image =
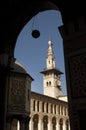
(19, 68)
(55, 70)
(41, 97)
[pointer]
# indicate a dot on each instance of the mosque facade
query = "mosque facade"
(49, 111)
(27, 110)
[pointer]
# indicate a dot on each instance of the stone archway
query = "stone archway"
(14, 17)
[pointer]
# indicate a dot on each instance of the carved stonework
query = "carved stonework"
(77, 71)
(17, 95)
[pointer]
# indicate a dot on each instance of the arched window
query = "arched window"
(34, 105)
(37, 105)
(61, 124)
(62, 110)
(42, 106)
(55, 109)
(59, 110)
(45, 123)
(67, 124)
(51, 108)
(47, 107)
(54, 123)
(35, 122)
(65, 110)
(49, 83)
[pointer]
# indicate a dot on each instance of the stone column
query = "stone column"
(49, 123)
(57, 125)
(36, 105)
(31, 124)
(40, 106)
(40, 124)
(64, 125)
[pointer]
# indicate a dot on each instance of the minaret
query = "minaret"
(50, 60)
(51, 75)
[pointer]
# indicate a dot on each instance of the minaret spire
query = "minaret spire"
(50, 60)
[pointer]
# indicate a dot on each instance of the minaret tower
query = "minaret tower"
(51, 75)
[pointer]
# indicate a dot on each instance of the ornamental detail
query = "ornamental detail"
(77, 72)
(17, 94)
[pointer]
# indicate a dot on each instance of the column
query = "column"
(49, 123)
(57, 126)
(36, 105)
(40, 106)
(31, 124)
(64, 125)
(40, 124)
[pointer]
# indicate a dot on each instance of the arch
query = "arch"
(45, 122)
(61, 124)
(39, 6)
(54, 120)
(45, 5)
(67, 124)
(36, 118)
(54, 123)
(15, 33)
(33, 48)
(35, 122)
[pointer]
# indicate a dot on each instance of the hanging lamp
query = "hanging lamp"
(35, 32)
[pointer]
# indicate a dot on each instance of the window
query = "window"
(34, 105)
(51, 108)
(49, 83)
(67, 125)
(37, 105)
(54, 123)
(35, 122)
(59, 110)
(43, 107)
(45, 123)
(55, 109)
(61, 124)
